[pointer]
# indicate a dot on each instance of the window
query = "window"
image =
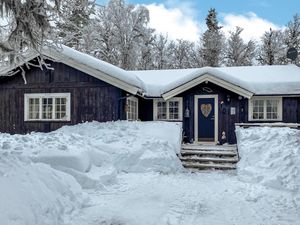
(48, 106)
(167, 110)
(132, 108)
(265, 108)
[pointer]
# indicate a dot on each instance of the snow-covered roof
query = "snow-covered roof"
(246, 81)
(258, 80)
(90, 65)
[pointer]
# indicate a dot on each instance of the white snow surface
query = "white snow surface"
(93, 153)
(260, 80)
(271, 157)
(129, 175)
(36, 193)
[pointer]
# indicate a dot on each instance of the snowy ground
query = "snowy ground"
(127, 173)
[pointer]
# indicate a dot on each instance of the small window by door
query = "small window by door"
(132, 108)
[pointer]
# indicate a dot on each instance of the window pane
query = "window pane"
(34, 108)
(173, 110)
(132, 109)
(258, 109)
(60, 108)
(161, 110)
(272, 109)
(47, 108)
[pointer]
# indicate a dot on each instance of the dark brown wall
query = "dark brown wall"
(91, 98)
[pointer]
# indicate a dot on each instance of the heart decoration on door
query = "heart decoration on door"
(206, 109)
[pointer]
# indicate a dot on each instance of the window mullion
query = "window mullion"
(265, 109)
(53, 107)
(40, 108)
(167, 108)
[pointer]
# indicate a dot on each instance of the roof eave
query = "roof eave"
(207, 78)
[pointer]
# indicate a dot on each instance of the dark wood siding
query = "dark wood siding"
(225, 120)
(91, 98)
(290, 110)
(145, 109)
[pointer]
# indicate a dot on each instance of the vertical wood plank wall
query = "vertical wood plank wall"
(91, 98)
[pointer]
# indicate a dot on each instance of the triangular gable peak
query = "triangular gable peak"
(207, 77)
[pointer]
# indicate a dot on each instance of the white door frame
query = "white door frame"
(196, 117)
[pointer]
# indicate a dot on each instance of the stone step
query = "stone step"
(203, 166)
(193, 158)
(209, 152)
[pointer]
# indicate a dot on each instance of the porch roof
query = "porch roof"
(246, 81)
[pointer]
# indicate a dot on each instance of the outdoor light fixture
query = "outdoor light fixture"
(228, 98)
(187, 113)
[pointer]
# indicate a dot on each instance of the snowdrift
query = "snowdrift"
(93, 153)
(270, 156)
(36, 193)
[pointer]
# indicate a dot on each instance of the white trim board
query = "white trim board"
(264, 98)
(207, 78)
(40, 96)
(180, 106)
(216, 98)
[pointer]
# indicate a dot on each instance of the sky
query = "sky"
(185, 19)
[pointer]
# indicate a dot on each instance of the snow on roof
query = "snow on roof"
(260, 80)
(99, 65)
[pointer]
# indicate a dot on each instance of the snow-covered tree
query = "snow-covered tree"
(182, 53)
(146, 55)
(272, 50)
(212, 41)
(74, 26)
(122, 31)
(160, 51)
(237, 52)
(28, 26)
(292, 35)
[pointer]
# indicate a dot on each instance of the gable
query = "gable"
(207, 78)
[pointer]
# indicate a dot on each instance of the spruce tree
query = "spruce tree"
(212, 41)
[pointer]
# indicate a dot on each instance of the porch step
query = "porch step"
(203, 157)
(208, 152)
(204, 166)
(209, 159)
(209, 147)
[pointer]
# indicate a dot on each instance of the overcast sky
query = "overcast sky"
(185, 19)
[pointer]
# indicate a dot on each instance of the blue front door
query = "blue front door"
(206, 120)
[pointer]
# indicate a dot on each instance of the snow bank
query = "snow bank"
(107, 148)
(270, 156)
(33, 193)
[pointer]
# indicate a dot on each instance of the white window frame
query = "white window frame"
(40, 96)
(155, 102)
(264, 98)
(136, 100)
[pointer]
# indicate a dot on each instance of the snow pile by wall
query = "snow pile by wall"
(270, 156)
(33, 193)
(95, 152)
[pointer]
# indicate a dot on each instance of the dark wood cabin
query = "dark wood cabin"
(209, 103)
(89, 99)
